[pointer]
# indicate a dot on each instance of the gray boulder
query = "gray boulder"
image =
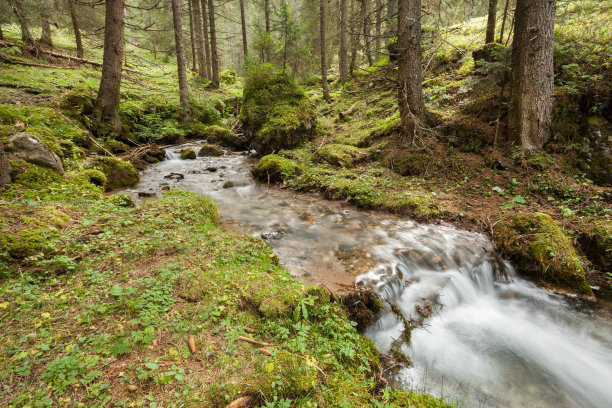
(26, 146)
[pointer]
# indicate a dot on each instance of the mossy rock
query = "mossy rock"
(188, 154)
(118, 173)
(79, 100)
(284, 374)
(540, 248)
(122, 200)
(93, 176)
(276, 114)
(362, 307)
(155, 154)
(224, 137)
(273, 168)
(595, 239)
(340, 155)
(115, 146)
(210, 150)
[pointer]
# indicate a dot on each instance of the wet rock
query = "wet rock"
(213, 169)
(271, 235)
(26, 146)
(174, 176)
(235, 183)
(165, 188)
(155, 154)
(209, 150)
(188, 154)
(144, 194)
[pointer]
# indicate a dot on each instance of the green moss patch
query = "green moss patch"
(188, 154)
(340, 155)
(273, 168)
(209, 150)
(595, 239)
(118, 173)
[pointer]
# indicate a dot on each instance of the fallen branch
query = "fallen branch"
(86, 132)
(259, 343)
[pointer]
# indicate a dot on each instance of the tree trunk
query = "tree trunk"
(5, 177)
(503, 26)
(354, 41)
(245, 46)
(1, 33)
(75, 27)
(17, 7)
(323, 61)
(343, 57)
(45, 36)
(214, 59)
(267, 15)
(206, 40)
(531, 99)
(199, 38)
(409, 75)
(180, 55)
(365, 19)
(107, 104)
(391, 29)
(192, 38)
(378, 29)
(490, 37)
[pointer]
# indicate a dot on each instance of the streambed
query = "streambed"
(493, 339)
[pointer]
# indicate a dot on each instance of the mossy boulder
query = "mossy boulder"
(224, 137)
(273, 168)
(93, 176)
(540, 248)
(284, 374)
(276, 114)
(210, 150)
(595, 239)
(188, 154)
(118, 173)
(340, 155)
(362, 307)
(155, 154)
(79, 101)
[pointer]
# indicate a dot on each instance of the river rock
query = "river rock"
(26, 146)
(210, 150)
(235, 183)
(174, 176)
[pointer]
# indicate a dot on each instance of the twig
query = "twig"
(259, 343)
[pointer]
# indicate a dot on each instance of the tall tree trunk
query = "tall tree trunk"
(365, 19)
(531, 99)
(199, 38)
(267, 16)
(5, 177)
(354, 40)
(409, 71)
(214, 58)
(107, 104)
(245, 46)
(45, 36)
(206, 38)
(192, 38)
(343, 57)
(503, 26)
(76, 29)
(490, 37)
(180, 55)
(323, 52)
(17, 6)
(391, 28)
(1, 33)
(378, 29)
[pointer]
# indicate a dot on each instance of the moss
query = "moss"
(188, 207)
(115, 146)
(118, 173)
(93, 176)
(31, 176)
(78, 101)
(362, 307)
(340, 155)
(411, 399)
(122, 200)
(540, 248)
(188, 154)
(492, 52)
(273, 168)
(210, 150)
(223, 136)
(228, 77)
(595, 239)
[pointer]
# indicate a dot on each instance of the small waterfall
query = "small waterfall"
(173, 154)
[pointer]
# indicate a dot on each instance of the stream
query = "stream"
(492, 340)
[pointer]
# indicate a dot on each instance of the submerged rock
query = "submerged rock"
(174, 176)
(235, 183)
(27, 147)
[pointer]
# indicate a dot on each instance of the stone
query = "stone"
(235, 183)
(26, 146)
(210, 150)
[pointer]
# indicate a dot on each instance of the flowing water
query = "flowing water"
(492, 340)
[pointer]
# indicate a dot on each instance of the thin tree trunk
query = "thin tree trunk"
(378, 29)
(343, 57)
(245, 46)
(1, 33)
(5, 176)
(531, 98)
(191, 38)
(17, 7)
(180, 55)
(45, 37)
(354, 40)
(107, 104)
(409, 71)
(199, 38)
(503, 26)
(490, 37)
(206, 38)
(267, 15)
(214, 59)
(323, 61)
(391, 29)
(365, 19)
(75, 27)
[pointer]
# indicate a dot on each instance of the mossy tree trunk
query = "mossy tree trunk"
(490, 36)
(531, 99)
(323, 60)
(206, 38)
(365, 19)
(45, 37)
(343, 55)
(17, 6)
(107, 103)
(354, 40)
(5, 177)
(76, 28)
(409, 71)
(245, 46)
(197, 17)
(191, 38)
(214, 58)
(180, 55)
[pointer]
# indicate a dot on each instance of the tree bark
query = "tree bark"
(5, 177)
(192, 38)
(323, 59)
(245, 46)
(180, 55)
(409, 71)
(354, 41)
(17, 7)
(107, 104)
(199, 38)
(365, 19)
(267, 15)
(490, 36)
(343, 57)
(214, 58)
(75, 27)
(531, 99)
(378, 29)
(1, 33)
(45, 36)
(206, 38)
(503, 26)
